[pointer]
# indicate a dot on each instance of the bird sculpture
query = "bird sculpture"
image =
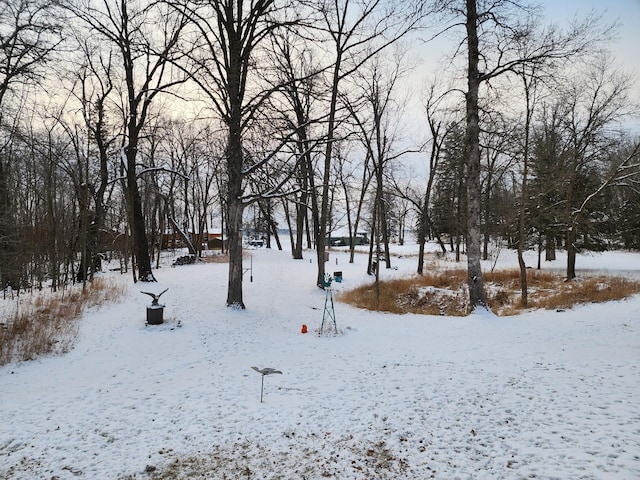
(154, 296)
(264, 372)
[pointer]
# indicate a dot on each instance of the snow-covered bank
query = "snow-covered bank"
(542, 395)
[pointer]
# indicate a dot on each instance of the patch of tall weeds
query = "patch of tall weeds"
(445, 292)
(435, 293)
(44, 323)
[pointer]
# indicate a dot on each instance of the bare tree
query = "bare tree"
(474, 270)
(355, 192)
(422, 203)
(300, 78)
(145, 54)
(493, 31)
(222, 61)
(593, 108)
(357, 30)
(541, 52)
(29, 34)
(92, 88)
(377, 120)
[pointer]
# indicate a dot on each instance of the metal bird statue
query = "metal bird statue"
(267, 370)
(264, 372)
(154, 296)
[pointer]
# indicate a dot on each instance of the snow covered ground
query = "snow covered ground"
(542, 395)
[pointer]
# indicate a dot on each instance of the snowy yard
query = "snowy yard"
(542, 395)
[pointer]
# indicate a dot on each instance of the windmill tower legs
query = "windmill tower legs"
(329, 314)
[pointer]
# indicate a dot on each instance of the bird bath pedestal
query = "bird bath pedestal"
(155, 314)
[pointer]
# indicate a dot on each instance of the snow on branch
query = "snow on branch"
(611, 179)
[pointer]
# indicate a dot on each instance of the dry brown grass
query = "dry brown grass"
(218, 257)
(560, 294)
(45, 323)
(445, 292)
(221, 258)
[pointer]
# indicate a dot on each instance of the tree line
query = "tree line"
(125, 122)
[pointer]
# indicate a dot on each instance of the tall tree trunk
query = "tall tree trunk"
(99, 199)
(306, 179)
(424, 218)
(138, 230)
(301, 209)
(522, 224)
(383, 233)
(234, 293)
(235, 175)
(272, 226)
(421, 244)
(7, 234)
(324, 208)
(235, 210)
(474, 189)
(571, 252)
(487, 199)
(372, 243)
(366, 179)
(52, 231)
(571, 223)
(287, 217)
(550, 247)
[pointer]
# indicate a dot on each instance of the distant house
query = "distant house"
(216, 241)
(340, 239)
(256, 242)
(210, 241)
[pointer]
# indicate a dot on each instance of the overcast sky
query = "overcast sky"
(627, 12)
(433, 56)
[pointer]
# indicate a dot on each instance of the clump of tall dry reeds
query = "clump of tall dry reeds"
(45, 322)
(442, 293)
(445, 292)
(558, 293)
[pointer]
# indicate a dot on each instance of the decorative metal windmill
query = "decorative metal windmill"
(329, 313)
